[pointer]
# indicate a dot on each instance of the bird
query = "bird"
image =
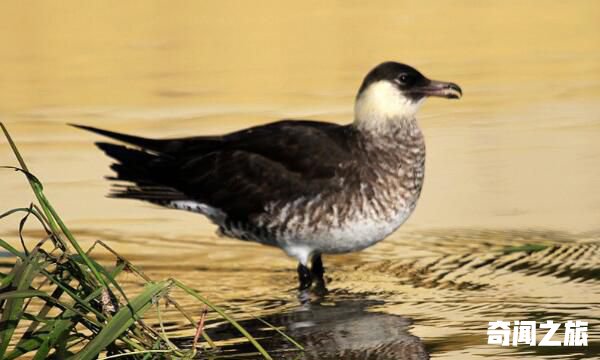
(309, 187)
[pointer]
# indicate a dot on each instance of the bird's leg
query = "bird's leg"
(304, 277)
(317, 270)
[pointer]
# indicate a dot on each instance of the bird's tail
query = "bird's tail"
(140, 175)
(145, 143)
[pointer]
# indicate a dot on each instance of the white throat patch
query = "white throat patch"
(382, 102)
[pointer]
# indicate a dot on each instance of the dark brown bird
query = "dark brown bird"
(308, 187)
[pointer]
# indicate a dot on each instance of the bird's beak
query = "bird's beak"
(442, 89)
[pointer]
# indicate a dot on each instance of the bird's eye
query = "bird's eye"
(403, 79)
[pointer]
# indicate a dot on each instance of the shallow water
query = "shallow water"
(514, 162)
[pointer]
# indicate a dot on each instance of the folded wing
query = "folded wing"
(239, 173)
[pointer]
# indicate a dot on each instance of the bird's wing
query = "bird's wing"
(251, 168)
(239, 173)
(313, 149)
(241, 183)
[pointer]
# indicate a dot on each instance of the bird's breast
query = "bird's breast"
(368, 202)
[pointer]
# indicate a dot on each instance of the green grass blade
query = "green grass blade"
(55, 222)
(7, 279)
(234, 323)
(122, 320)
(150, 352)
(42, 314)
(13, 307)
(69, 291)
(11, 249)
(32, 343)
(110, 278)
(43, 350)
(65, 230)
(22, 294)
(525, 248)
(35, 186)
(12, 211)
(25, 294)
(287, 337)
(49, 333)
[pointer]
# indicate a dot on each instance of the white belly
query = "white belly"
(352, 235)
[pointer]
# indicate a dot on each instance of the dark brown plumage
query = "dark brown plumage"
(308, 187)
(239, 173)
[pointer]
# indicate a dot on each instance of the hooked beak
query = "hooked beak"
(441, 89)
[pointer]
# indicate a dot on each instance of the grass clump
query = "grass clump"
(72, 307)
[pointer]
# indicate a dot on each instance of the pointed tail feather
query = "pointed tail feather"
(198, 144)
(145, 143)
(145, 173)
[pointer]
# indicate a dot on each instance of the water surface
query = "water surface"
(514, 162)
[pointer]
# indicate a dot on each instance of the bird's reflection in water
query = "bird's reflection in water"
(343, 329)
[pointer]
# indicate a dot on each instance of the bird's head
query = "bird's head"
(393, 92)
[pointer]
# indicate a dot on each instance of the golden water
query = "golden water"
(516, 161)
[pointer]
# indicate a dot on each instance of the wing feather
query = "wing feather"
(239, 173)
